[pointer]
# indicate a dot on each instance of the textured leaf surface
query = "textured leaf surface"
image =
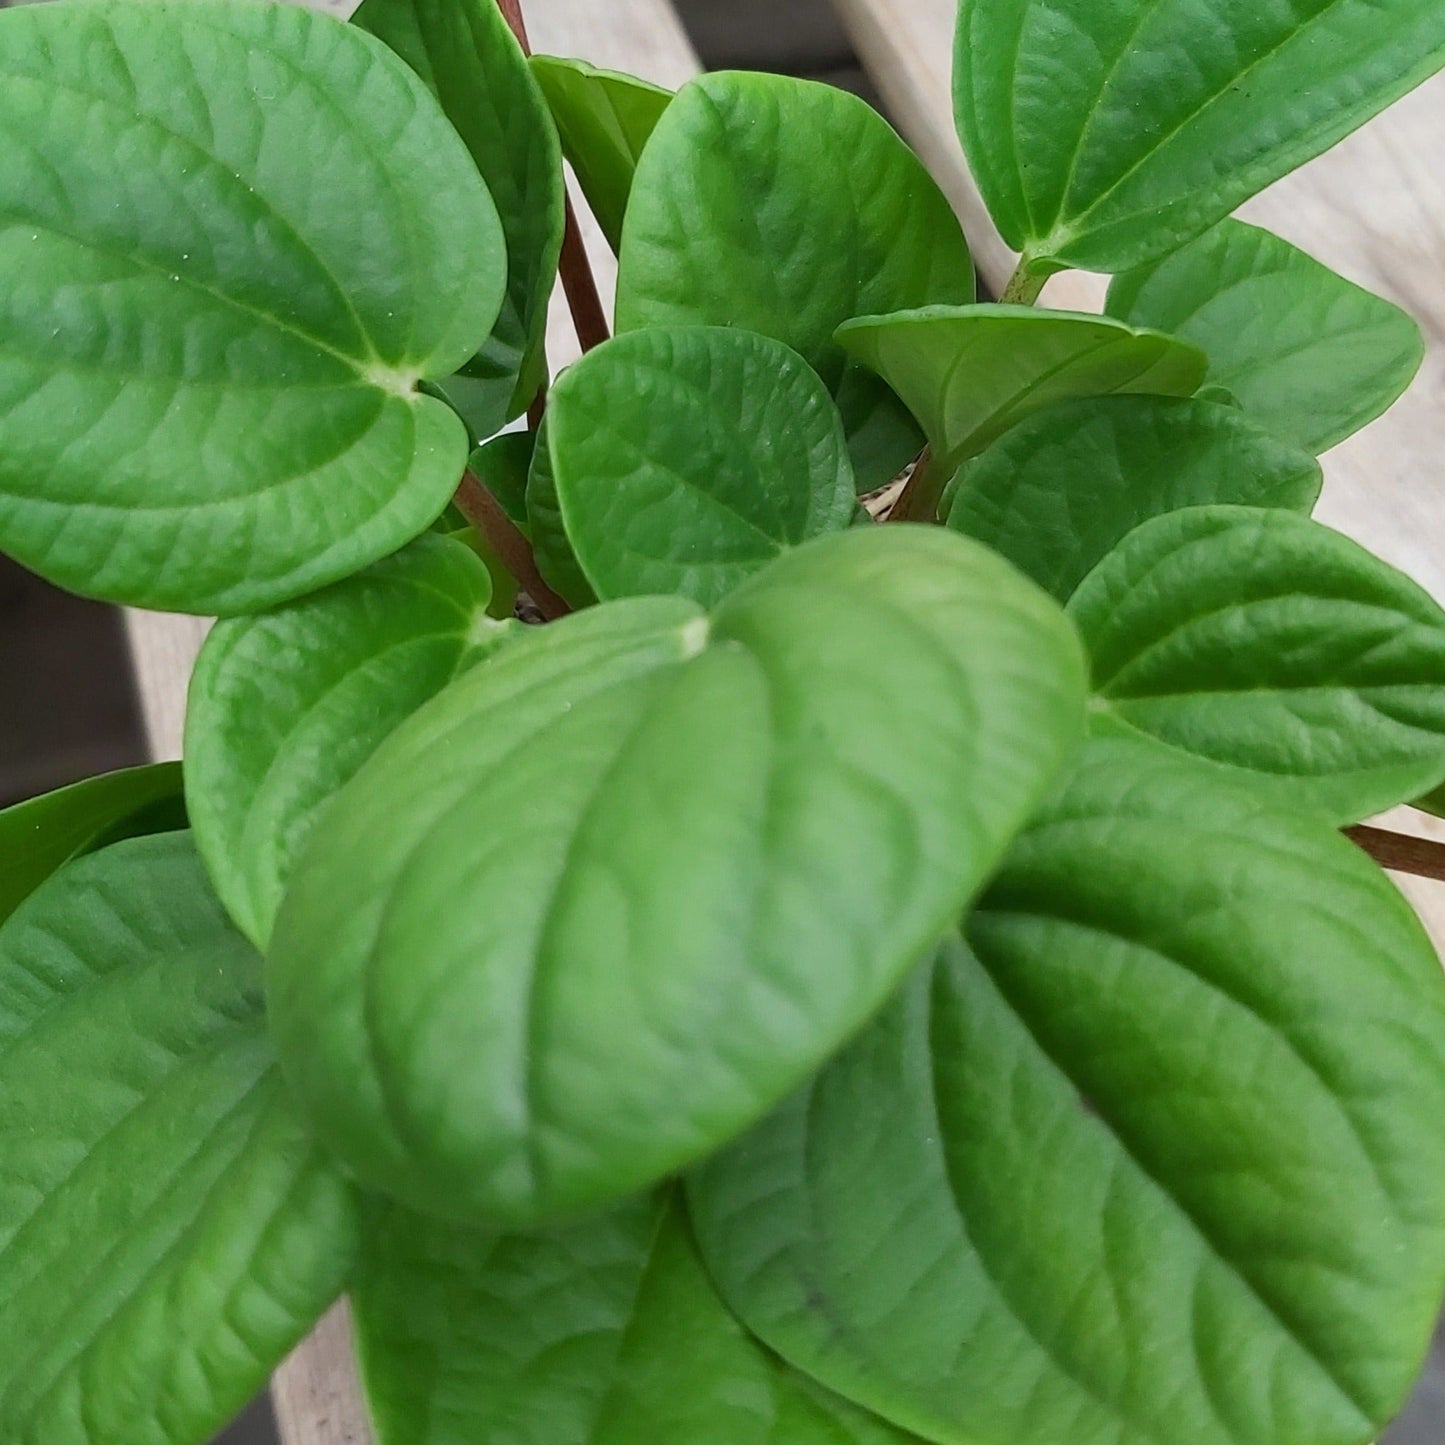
(1312, 355)
(1057, 493)
(787, 207)
(969, 373)
(1158, 1159)
(1266, 642)
(285, 707)
(686, 458)
(721, 875)
(37, 836)
(235, 237)
(605, 119)
(470, 60)
(1105, 135)
(167, 1228)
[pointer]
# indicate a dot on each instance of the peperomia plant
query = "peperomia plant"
(836, 983)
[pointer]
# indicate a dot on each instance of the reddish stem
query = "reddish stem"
(1401, 853)
(485, 513)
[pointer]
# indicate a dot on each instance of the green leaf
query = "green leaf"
(605, 119)
(502, 465)
(285, 707)
(216, 312)
(969, 373)
(1057, 493)
(604, 1333)
(552, 548)
(1313, 356)
(1105, 135)
(37, 836)
(167, 1228)
(686, 458)
(1265, 642)
(1158, 1158)
(786, 207)
(740, 834)
(470, 60)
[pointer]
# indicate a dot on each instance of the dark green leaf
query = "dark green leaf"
(614, 893)
(787, 207)
(1265, 642)
(502, 466)
(1063, 488)
(556, 560)
(167, 1228)
(1159, 1158)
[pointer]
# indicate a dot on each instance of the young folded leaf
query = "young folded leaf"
(598, 1334)
(1264, 642)
(471, 61)
(1105, 135)
(1311, 355)
(285, 707)
(684, 459)
(723, 870)
(168, 1230)
(1157, 1157)
(787, 207)
(969, 373)
(1059, 491)
(605, 119)
(208, 400)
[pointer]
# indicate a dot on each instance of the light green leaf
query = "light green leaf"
(786, 207)
(39, 835)
(470, 60)
(605, 119)
(1313, 356)
(1158, 1158)
(969, 373)
(1105, 135)
(216, 312)
(285, 707)
(1057, 493)
(740, 834)
(604, 1333)
(1267, 643)
(167, 1228)
(556, 560)
(686, 458)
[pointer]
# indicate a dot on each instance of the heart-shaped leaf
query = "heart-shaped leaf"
(285, 707)
(216, 314)
(1313, 356)
(686, 458)
(1057, 493)
(167, 1228)
(740, 834)
(603, 1333)
(605, 119)
(1106, 135)
(1158, 1158)
(969, 373)
(786, 207)
(1264, 641)
(470, 60)
(37, 836)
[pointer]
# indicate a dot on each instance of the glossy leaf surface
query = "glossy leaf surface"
(969, 373)
(723, 871)
(1158, 1157)
(469, 59)
(786, 207)
(605, 119)
(1106, 135)
(1265, 642)
(285, 707)
(687, 458)
(1057, 493)
(167, 1228)
(1312, 355)
(215, 313)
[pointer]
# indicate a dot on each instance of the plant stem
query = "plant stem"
(919, 499)
(485, 513)
(1401, 853)
(1024, 286)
